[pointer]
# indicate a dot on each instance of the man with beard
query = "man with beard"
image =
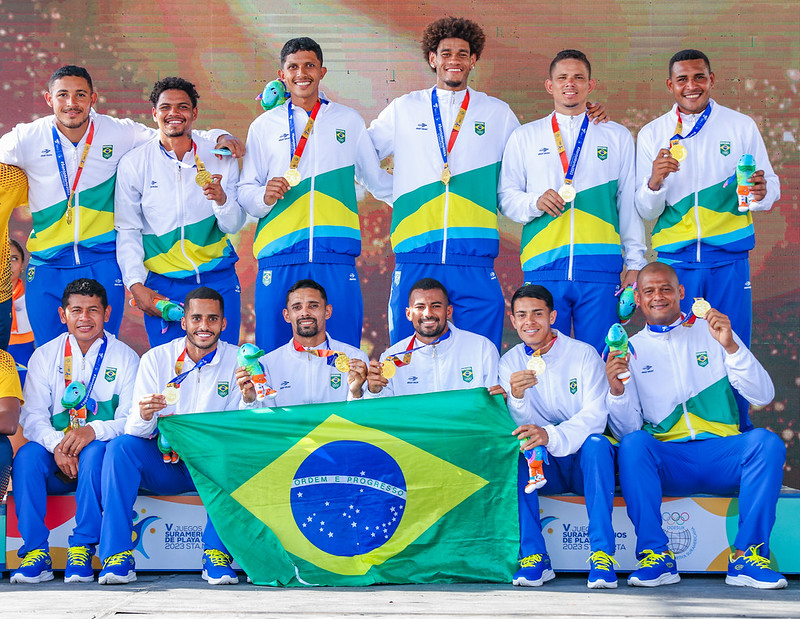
(312, 367)
(191, 374)
(174, 208)
(438, 357)
(71, 159)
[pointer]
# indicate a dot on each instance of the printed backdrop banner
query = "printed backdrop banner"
(410, 489)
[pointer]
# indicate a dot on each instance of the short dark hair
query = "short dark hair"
(570, 54)
(18, 247)
(70, 70)
(453, 28)
(307, 283)
(657, 266)
(173, 83)
(533, 291)
(300, 44)
(205, 293)
(86, 288)
(428, 283)
(688, 54)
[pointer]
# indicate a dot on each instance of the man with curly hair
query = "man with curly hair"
(175, 206)
(447, 143)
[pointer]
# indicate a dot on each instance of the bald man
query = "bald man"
(682, 430)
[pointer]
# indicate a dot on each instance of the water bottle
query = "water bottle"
(744, 170)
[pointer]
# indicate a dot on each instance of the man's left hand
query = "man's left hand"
(498, 390)
(214, 191)
(759, 189)
(597, 112)
(76, 439)
(537, 436)
(629, 279)
(232, 144)
(719, 325)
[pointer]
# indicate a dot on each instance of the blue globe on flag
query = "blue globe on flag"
(348, 497)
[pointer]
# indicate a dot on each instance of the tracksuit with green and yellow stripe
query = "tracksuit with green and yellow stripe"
(170, 237)
(699, 230)
(682, 433)
(578, 256)
(448, 232)
(313, 232)
(63, 251)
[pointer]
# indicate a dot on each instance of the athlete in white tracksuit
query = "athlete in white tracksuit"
(682, 433)
(462, 360)
(134, 460)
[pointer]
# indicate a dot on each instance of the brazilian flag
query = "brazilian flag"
(409, 489)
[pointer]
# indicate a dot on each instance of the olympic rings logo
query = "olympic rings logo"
(675, 517)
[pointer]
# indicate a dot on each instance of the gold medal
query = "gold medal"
(678, 152)
(342, 363)
(700, 307)
(388, 369)
(292, 177)
(446, 176)
(172, 394)
(69, 215)
(203, 177)
(567, 193)
(537, 364)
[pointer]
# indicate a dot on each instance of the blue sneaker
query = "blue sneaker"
(601, 571)
(118, 569)
(79, 564)
(36, 566)
(655, 569)
(752, 570)
(217, 568)
(533, 571)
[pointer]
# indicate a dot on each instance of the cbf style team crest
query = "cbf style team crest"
(222, 389)
(341, 136)
(108, 150)
(266, 277)
(480, 127)
(702, 358)
(336, 381)
(111, 374)
(467, 375)
(602, 153)
(573, 386)
(725, 148)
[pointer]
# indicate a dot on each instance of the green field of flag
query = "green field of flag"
(410, 489)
